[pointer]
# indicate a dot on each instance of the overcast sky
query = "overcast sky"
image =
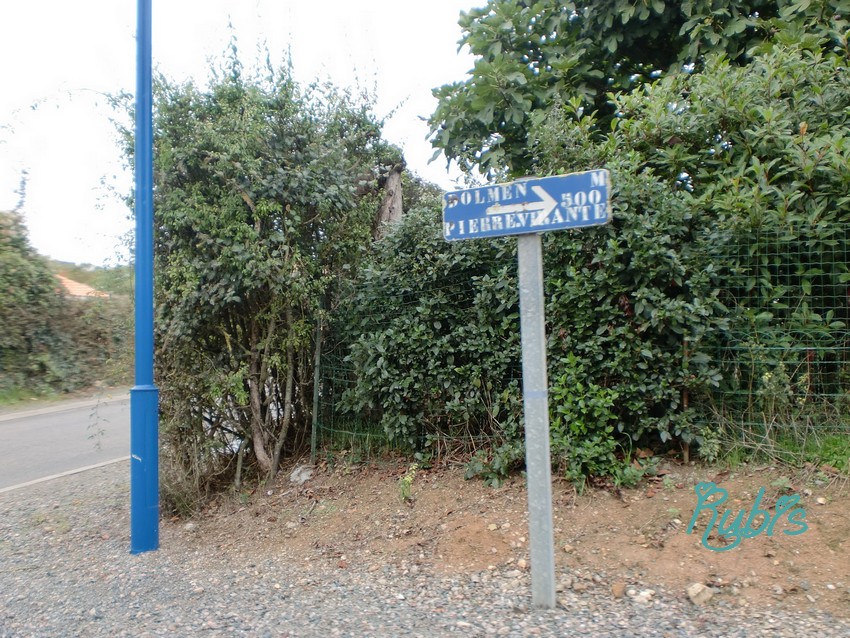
(60, 57)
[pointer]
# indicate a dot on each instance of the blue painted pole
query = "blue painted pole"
(144, 397)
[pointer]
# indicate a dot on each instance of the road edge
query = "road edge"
(61, 474)
(62, 407)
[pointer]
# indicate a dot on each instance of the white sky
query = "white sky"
(59, 57)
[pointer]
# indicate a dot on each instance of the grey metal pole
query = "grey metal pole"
(535, 395)
(317, 379)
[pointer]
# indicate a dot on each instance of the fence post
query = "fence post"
(317, 381)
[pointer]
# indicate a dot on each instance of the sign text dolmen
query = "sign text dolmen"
(528, 206)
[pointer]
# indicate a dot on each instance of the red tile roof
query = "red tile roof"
(77, 289)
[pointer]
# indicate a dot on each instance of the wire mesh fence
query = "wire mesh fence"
(338, 429)
(784, 360)
(441, 435)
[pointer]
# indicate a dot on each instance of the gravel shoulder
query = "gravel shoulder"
(65, 570)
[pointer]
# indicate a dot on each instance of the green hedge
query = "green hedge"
(708, 170)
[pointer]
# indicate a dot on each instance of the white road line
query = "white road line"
(68, 473)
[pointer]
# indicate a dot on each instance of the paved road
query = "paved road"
(61, 438)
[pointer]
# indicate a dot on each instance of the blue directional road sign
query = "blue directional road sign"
(528, 206)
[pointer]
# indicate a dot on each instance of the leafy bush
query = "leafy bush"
(730, 209)
(757, 158)
(51, 343)
(28, 302)
(531, 54)
(583, 423)
(433, 333)
(265, 200)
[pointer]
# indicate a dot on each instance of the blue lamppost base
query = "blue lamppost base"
(144, 469)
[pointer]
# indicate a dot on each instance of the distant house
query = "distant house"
(79, 290)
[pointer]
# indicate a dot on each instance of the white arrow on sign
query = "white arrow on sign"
(546, 205)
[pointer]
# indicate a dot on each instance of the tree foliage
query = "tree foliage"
(628, 306)
(730, 220)
(422, 322)
(531, 53)
(49, 342)
(263, 204)
(762, 151)
(28, 300)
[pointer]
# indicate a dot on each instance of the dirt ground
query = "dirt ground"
(629, 539)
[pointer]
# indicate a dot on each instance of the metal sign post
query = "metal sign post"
(526, 208)
(535, 400)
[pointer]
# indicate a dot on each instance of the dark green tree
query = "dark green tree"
(263, 204)
(718, 294)
(48, 342)
(28, 301)
(530, 54)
